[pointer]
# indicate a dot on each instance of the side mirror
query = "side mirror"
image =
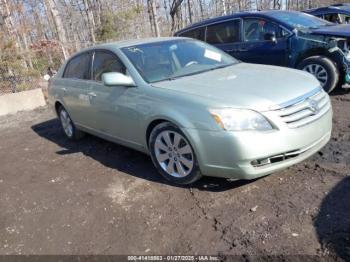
(117, 79)
(270, 37)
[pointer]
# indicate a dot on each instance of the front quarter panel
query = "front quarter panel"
(304, 45)
(185, 111)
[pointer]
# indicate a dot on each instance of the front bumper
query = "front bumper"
(232, 154)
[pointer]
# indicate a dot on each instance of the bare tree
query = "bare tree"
(175, 14)
(223, 3)
(91, 20)
(189, 10)
(61, 32)
(153, 17)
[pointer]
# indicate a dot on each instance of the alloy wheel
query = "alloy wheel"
(174, 154)
(318, 71)
(66, 123)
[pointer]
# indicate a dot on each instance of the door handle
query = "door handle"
(64, 89)
(92, 94)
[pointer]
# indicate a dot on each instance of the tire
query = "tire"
(173, 155)
(323, 69)
(68, 126)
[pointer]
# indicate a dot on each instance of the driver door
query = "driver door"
(113, 107)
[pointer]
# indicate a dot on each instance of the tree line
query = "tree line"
(38, 34)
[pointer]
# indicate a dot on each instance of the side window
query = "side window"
(196, 33)
(78, 67)
(105, 62)
(345, 19)
(334, 18)
(227, 32)
(256, 29)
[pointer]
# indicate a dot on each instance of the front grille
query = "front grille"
(305, 110)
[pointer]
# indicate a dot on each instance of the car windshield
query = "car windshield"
(301, 20)
(167, 60)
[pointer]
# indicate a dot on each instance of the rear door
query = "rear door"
(226, 36)
(75, 87)
(256, 47)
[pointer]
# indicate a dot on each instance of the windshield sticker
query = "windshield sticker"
(212, 55)
(134, 49)
(173, 47)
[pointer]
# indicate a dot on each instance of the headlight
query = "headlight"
(240, 119)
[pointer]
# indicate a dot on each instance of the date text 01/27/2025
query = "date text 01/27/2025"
(173, 258)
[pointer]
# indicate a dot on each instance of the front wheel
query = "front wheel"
(173, 155)
(323, 69)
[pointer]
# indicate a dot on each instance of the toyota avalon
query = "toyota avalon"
(193, 108)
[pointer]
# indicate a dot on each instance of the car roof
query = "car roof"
(125, 43)
(263, 14)
(132, 42)
(344, 9)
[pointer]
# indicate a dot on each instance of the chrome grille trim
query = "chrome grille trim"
(300, 113)
(300, 98)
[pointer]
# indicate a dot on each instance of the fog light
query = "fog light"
(261, 162)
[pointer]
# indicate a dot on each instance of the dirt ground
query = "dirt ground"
(95, 197)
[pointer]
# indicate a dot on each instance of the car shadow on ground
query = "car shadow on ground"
(340, 91)
(332, 223)
(122, 158)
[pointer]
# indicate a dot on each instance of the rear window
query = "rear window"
(196, 33)
(78, 67)
(227, 32)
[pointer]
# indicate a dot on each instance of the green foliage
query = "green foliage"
(41, 62)
(107, 29)
(113, 24)
(14, 72)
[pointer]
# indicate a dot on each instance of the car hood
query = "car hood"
(258, 87)
(335, 30)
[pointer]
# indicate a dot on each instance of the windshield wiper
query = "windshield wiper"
(222, 66)
(194, 73)
(167, 79)
(205, 70)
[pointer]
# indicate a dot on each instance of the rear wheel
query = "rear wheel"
(68, 126)
(323, 69)
(173, 155)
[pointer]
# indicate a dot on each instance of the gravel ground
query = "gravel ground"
(95, 197)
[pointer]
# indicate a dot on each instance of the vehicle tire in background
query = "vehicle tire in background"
(68, 126)
(173, 155)
(323, 69)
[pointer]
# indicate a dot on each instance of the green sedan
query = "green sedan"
(194, 109)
